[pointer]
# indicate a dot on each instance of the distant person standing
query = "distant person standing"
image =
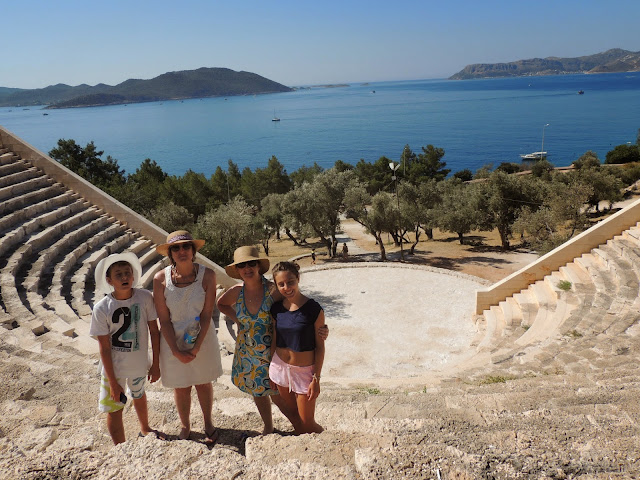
(313, 256)
(345, 252)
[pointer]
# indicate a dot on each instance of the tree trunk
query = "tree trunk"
(278, 234)
(460, 235)
(265, 245)
(413, 245)
(293, 239)
(504, 238)
(396, 238)
(383, 253)
(429, 232)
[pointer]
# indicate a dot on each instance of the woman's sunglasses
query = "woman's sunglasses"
(250, 263)
(181, 246)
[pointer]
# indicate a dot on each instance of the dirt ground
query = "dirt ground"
(481, 254)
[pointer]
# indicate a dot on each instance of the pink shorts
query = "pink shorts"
(296, 378)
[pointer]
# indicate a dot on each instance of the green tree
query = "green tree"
(503, 197)
(509, 167)
(191, 191)
(86, 162)
(542, 169)
(459, 209)
(272, 179)
(375, 176)
(317, 205)
(305, 174)
(375, 213)
(560, 217)
(427, 165)
(341, 166)
(225, 229)
(171, 217)
(623, 154)
(464, 175)
(145, 189)
(589, 159)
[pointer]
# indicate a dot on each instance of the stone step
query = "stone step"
(19, 177)
(24, 200)
(13, 167)
(8, 157)
(34, 210)
(29, 185)
(528, 306)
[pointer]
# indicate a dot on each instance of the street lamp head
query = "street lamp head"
(393, 166)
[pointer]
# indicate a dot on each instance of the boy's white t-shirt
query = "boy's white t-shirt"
(126, 322)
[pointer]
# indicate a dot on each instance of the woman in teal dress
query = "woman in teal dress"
(248, 304)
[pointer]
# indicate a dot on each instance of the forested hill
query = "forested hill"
(203, 82)
(614, 60)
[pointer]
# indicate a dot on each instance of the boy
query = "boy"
(122, 322)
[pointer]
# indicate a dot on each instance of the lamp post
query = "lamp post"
(542, 148)
(394, 177)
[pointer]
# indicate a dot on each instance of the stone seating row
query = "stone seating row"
(51, 242)
(553, 326)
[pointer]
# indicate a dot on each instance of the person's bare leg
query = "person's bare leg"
(182, 397)
(264, 408)
(115, 427)
(286, 402)
(205, 397)
(307, 409)
(140, 405)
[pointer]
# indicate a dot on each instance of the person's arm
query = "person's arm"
(314, 386)
(154, 332)
(164, 316)
(209, 285)
(227, 301)
(104, 344)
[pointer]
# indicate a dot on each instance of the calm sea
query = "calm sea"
(476, 122)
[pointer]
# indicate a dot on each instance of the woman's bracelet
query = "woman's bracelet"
(316, 377)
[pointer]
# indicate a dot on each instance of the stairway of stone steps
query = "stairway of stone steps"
(50, 243)
(592, 325)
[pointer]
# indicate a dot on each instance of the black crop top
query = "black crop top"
(296, 330)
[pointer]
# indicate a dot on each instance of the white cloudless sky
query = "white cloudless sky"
(297, 42)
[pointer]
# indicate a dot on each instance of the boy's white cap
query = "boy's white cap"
(104, 264)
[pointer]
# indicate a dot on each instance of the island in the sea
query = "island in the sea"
(614, 60)
(200, 83)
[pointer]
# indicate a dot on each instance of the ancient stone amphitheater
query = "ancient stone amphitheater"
(550, 391)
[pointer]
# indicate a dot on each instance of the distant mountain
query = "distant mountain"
(614, 60)
(203, 82)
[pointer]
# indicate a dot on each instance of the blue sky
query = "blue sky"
(297, 42)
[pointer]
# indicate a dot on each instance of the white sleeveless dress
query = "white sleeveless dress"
(184, 305)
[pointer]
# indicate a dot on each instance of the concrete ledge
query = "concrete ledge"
(564, 254)
(96, 196)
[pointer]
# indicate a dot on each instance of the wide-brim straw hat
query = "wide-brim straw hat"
(246, 254)
(174, 238)
(100, 273)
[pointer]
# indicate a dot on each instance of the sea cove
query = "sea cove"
(476, 122)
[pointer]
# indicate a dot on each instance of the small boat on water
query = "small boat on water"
(275, 119)
(534, 156)
(580, 92)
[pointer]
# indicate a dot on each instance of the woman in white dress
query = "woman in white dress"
(183, 291)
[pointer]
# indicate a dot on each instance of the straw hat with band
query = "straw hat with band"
(246, 254)
(177, 237)
(104, 264)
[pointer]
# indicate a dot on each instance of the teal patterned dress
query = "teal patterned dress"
(250, 369)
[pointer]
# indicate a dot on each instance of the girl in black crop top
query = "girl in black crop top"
(298, 350)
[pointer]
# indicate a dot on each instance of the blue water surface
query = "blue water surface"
(476, 122)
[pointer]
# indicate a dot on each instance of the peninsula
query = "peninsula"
(614, 60)
(203, 82)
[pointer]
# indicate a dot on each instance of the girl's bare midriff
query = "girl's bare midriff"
(299, 359)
